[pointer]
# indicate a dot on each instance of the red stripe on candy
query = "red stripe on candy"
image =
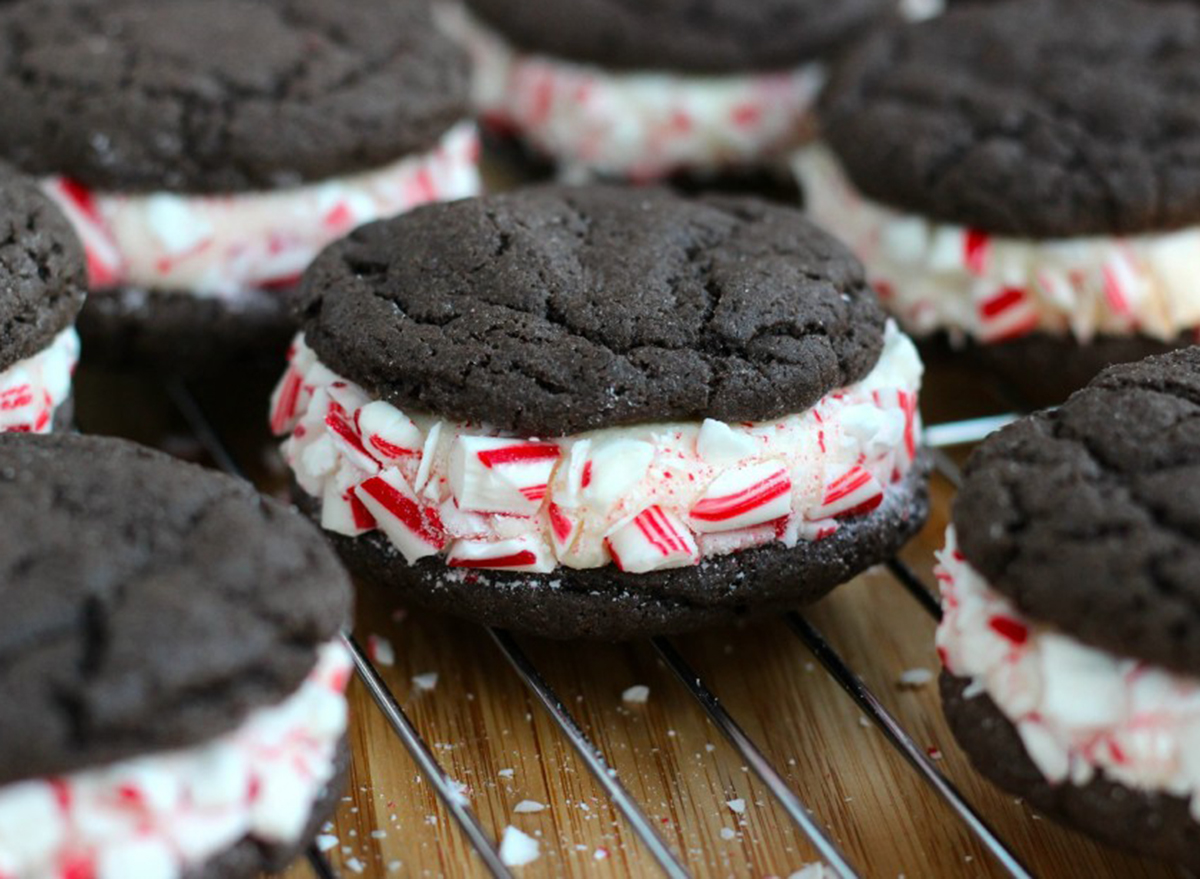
(1002, 301)
(425, 524)
(731, 505)
(1009, 629)
(516, 560)
(521, 454)
(390, 449)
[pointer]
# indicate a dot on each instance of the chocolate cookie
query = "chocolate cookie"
(42, 288)
(156, 609)
(988, 117)
(602, 306)
(1070, 587)
(220, 96)
(601, 412)
(206, 151)
(724, 36)
(1023, 169)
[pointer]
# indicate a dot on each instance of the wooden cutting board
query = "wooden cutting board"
(489, 733)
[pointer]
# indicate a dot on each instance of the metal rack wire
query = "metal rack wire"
(936, 438)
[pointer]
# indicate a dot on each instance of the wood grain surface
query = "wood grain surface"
(489, 733)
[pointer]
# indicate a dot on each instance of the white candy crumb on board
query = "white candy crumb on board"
(505, 773)
(738, 805)
(528, 806)
(914, 678)
(636, 695)
(601, 854)
(326, 841)
(426, 681)
(517, 849)
(355, 865)
(381, 650)
(812, 871)
(458, 791)
(728, 833)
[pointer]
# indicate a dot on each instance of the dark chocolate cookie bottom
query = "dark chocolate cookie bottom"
(607, 604)
(249, 857)
(1148, 823)
(1043, 370)
(184, 334)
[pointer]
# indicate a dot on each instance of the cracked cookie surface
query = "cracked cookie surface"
(150, 604)
(42, 279)
(221, 95)
(716, 36)
(1040, 118)
(552, 311)
(1088, 516)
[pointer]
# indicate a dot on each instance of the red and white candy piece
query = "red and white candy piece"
(653, 540)
(285, 401)
(526, 552)
(346, 438)
(744, 496)
(105, 265)
(564, 527)
(849, 491)
(413, 526)
(1008, 313)
(1124, 288)
(501, 475)
(342, 512)
(388, 433)
(906, 403)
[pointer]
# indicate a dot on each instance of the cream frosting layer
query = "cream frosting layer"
(643, 497)
(1079, 711)
(158, 816)
(642, 124)
(31, 390)
(938, 276)
(222, 245)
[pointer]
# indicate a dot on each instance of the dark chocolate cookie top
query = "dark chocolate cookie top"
(221, 95)
(1088, 516)
(148, 604)
(1040, 118)
(552, 310)
(718, 36)
(42, 277)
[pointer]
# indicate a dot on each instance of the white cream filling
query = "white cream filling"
(157, 817)
(31, 390)
(938, 276)
(1079, 711)
(223, 245)
(640, 124)
(643, 497)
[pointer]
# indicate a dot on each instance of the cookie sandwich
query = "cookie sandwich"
(601, 412)
(1022, 177)
(173, 677)
(1069, 584)
(42, 287)
(615, 90)
(206, 151)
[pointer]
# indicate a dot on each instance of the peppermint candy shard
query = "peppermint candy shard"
(528, 553)
(415, 528)
(501, 475)
(743, 497)
(653, 540)
(852, 491)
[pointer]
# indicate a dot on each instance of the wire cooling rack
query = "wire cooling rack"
(937, 439)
